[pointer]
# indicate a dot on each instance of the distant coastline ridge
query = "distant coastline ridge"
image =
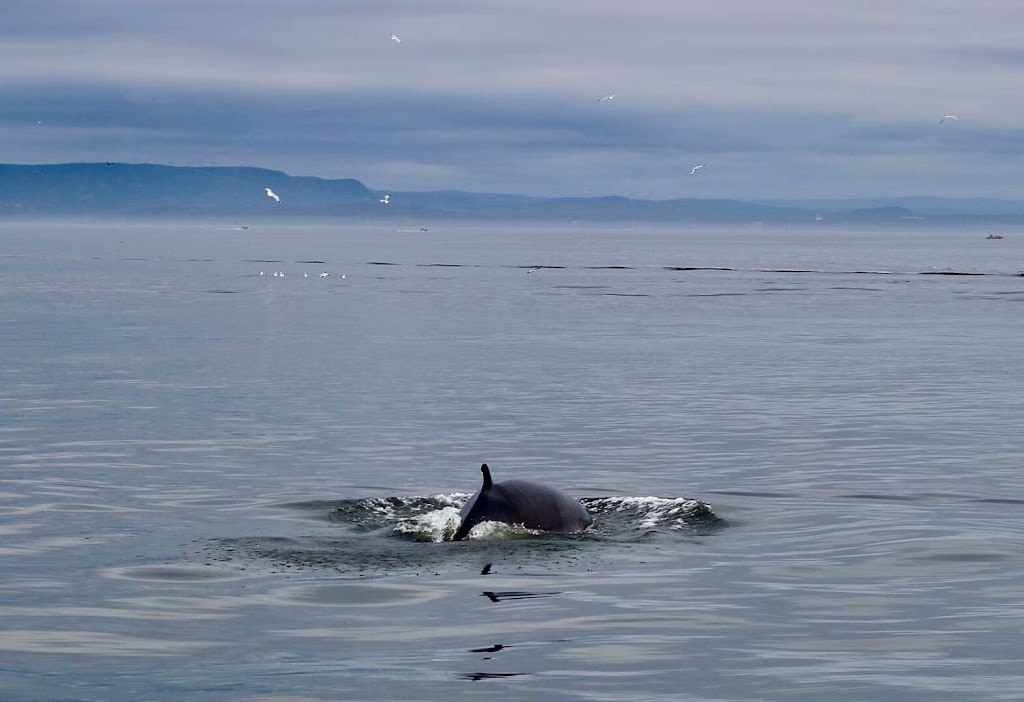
(152, 190)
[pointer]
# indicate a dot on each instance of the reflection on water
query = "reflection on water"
(516, 595)
(802, 455)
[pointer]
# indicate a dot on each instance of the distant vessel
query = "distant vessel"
(994, 236)
(817, 218)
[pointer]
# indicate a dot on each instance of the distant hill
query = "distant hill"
(608, 208)
(136, 190)
(934, 206)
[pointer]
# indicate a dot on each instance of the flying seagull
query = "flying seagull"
(953, 117)
(610, 97)
(395, 39)
(696, 168)
(271, 193)
(386, 200)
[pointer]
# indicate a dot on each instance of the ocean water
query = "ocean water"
(802, 449)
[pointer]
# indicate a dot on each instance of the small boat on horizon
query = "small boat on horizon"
(994, 236)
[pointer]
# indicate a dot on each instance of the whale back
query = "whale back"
(532, 504)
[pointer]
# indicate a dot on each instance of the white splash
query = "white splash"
(500, 531)
(388, 507)
(435, 526)
(652, 512)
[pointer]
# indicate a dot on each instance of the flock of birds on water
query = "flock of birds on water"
(280, 274)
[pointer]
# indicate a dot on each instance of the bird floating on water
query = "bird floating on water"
(386, 200)
(395, 39)
(696, 168)
(324, 274)
(271, 193)
(952, 117)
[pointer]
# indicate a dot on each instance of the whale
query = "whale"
(522, 502)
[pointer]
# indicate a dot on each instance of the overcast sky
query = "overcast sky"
(784, 99)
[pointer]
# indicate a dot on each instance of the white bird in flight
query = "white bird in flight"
(271, 193)
(386, 200)
(395, 39)
(953, 117)
(696, 168)
(610, 97)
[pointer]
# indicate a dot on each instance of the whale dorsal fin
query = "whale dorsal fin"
(487, 476)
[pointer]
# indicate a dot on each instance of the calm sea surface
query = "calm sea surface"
(803, 449)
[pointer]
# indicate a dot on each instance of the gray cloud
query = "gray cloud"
(792, 99)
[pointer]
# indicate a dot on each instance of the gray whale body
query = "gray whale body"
(534, 505)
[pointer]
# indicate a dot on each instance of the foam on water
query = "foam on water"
(436, 518)
(426, 518)
(653, 512)
(436, 526)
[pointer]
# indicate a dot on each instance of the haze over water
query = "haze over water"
(221, 485)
